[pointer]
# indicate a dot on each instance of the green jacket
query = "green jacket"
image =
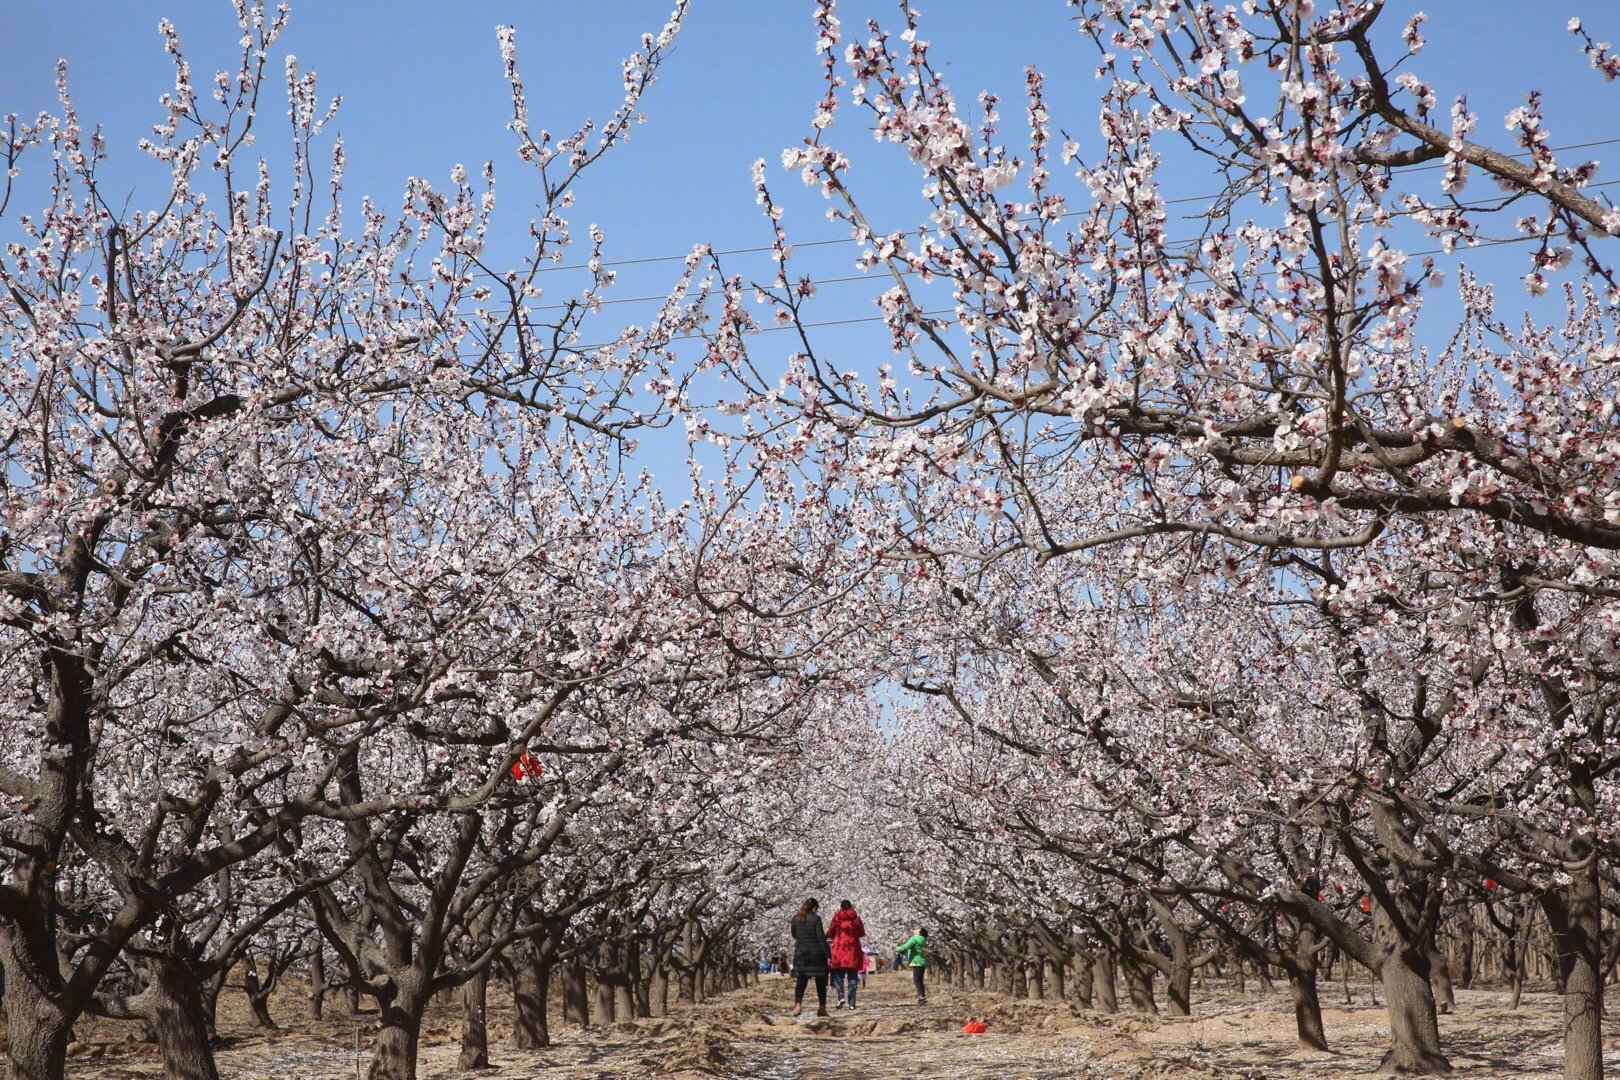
(912, 950)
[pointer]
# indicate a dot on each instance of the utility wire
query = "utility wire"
(1180, 200)
(936, 313)
(848, 278)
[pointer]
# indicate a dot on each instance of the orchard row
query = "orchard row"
(1242, 600)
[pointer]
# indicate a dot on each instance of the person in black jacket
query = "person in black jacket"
(810, 956)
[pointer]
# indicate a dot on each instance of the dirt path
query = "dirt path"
(889, 1035)
(752, 1034)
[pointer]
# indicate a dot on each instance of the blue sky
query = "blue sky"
(422, 91)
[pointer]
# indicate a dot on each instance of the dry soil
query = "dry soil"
(751, 1033)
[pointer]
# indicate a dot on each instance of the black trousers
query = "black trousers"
(821, 989)
(916, 980)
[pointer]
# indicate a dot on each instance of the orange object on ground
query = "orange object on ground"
(974, 1027)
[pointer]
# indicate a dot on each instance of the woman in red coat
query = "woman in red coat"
(844, 934)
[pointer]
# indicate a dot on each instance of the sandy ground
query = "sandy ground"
(752, 1034)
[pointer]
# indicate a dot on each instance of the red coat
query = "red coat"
(845, 933)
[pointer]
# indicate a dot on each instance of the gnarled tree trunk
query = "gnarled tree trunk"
(531, 987)
(258, 995)
(1414, 1029)
(1307, 1009)
(1054, 980)
(400, 1031)
(1575, 915)
(576, 999)
(1103, 979)
(36, 1035)
(1081, 980)
(172, 1006)
(474, 1023)
(37, 1029)
(1138, 984)
(1445, 997)
(317, 980)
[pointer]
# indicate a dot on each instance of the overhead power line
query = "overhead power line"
(849, 278)
(1180, 200)
(937, 312)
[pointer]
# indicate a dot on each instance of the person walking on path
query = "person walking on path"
(810, 956)
(845, 932)
(915, 952)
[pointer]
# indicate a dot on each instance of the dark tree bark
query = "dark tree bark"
(258, 995)
(400, 1028)
(1138, 984)
(658, 994)
(531, 987)
(1301, 963)
(1054, 983)
(1082, 980)
(1103, 979)
(1575, 914)
(172, 1006)
(1178, 988)
(1445, 997)
(37, 1032)
(474, 1023)
(1413, 1028)
(1307, 1009)
(317, 979)
(576, 1000)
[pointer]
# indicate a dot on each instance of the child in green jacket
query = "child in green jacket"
(914, 949)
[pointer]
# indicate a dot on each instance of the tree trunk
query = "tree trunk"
(1179, 977)
(258, 997)
(172, 1007)
(1053, 983)
(603, 981)
(1081, 981)
(1307, 1009)
(36, 1034)
(1414, 1030)
(1445, 998)
(400, 1032)
(576, 999)
(1103, 979)
(531, 986)
(474, 1023)
(624, 999)
(1139, 984)
(1515, 961)
(689, 952)
(658, 993)
(1575, 914)
(1178, 987)
(38, 1030)
(641, 990)
(317, 980)
(625, 973)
